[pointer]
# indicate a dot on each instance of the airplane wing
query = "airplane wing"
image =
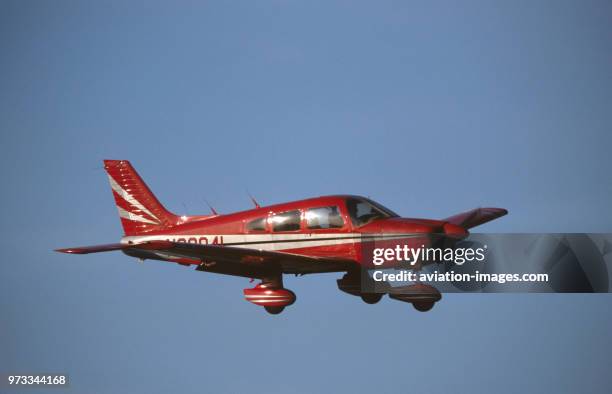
(251, 263)
(476, 217)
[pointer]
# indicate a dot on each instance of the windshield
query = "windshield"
(363, 211)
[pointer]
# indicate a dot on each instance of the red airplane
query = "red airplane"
(316, 235)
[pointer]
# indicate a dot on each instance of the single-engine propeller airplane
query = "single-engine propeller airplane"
(316, 235)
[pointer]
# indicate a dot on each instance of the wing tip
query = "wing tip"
(499, 211)
(69, 250)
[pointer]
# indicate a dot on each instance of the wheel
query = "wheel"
(371, 298)
(423, 306)
(274, 310)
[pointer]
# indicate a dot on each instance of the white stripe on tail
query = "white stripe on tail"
(139, 210)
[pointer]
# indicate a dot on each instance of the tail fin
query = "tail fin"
(139, 210)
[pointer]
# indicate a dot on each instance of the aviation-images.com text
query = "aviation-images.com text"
(425, 255)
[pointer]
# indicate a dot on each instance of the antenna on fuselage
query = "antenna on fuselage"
(213, 210)
(254, 201)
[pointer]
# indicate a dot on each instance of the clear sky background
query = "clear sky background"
(431, 108)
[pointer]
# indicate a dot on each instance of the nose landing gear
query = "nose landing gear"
(422, 297)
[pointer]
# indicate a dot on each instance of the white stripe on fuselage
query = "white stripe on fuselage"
(267, 241)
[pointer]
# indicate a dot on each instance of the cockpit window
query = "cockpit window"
(363, 211)
(257, 225)
(286, 221)
(324, 217)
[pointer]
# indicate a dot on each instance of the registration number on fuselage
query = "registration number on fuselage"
(214, 240)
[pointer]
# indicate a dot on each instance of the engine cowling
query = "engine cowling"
(263, 295)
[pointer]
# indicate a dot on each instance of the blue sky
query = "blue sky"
(430, 108)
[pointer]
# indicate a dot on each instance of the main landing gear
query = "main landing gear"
(422, 297)
(371, 298)
(274, 310)
(351, 283)
(271, 295)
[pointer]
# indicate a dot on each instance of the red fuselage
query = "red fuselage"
(329, 226)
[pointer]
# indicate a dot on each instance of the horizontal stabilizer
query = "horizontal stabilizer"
(111, 247)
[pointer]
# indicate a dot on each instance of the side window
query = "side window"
(286, 221)
(324, 217)
(257, 225)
